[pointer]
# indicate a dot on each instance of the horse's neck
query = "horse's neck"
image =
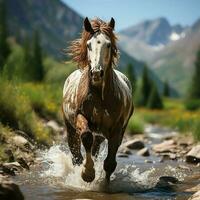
(103, 91)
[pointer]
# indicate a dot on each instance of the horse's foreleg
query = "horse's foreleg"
(96, 145)
(74, 144)
(110, 161)
(88, 172)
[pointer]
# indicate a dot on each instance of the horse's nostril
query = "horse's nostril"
(101, 73)
(91, 72)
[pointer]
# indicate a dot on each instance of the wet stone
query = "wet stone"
(134, 144)
(126, 151)
(167, 182)
(166, 146)
(195, 196)
(193, 156)
(11, 168)
(9, 190)
(143, 152)
(122, 155)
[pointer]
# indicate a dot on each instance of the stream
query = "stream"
(135, 178)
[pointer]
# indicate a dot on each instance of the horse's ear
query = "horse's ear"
(88, 26)
(112, 23)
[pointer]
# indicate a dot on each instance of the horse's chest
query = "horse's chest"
(99, 113)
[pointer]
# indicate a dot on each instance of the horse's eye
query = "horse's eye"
(108, 45)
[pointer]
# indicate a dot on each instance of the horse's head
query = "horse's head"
(99, 51)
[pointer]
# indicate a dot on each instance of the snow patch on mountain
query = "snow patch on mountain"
(175, 36)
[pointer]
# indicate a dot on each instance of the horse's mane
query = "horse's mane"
(78, 48)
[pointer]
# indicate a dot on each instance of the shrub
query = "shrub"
(16, 112)
(192, 104)
(196, 130)
(135, 125)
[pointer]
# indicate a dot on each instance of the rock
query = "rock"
(10, 155)
(23, 163)
(122, 155)
(195, 196)
(23, 143)
(148, 161)
(9, 190)
(194, 189)
(54, 126)
(183, 167)
(193, 156)
(134, 144)
(11, 168)
(167, 182)
(168, 156)
(126, 151)
(166, 146)
(143, 152)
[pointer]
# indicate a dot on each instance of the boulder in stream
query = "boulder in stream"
(55, 126)
(195, 196)
(166, 146)
(143, 152)
(9, 190)
(167, 182)
(134, 144)
(193, 156)
(11, 168)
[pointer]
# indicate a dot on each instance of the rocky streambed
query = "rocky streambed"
(161, 164)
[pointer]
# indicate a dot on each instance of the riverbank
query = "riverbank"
(158, 148)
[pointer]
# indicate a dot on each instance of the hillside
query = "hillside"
(58, 24)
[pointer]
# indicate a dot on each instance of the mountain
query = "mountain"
(175, 62)
(55, 21)
(168, 49)
(57, 24)
(154, 32)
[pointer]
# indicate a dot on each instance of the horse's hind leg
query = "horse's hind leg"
(74, 144)
(98, 139)
(88, 172)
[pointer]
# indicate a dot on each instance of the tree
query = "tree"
(155, 101)
(4, 47)
(145, 89)
(130, 73)
(166, 89)
(26, 72)
(194, 92)
(38, 68)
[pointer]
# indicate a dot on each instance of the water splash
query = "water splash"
(56, 163)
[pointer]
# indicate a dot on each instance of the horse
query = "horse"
(97, 99)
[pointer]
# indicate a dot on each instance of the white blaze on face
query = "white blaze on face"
(99, 52)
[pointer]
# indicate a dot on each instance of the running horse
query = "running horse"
(97, 99)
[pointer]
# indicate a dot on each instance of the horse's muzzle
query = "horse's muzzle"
(97, 75)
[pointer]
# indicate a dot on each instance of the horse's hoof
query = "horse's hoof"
(88, 175)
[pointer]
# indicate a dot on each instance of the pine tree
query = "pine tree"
(4, 47)
(194, 92)
(38, 68)
(26, 71)
(145, 89)
(130, 73)
(155, 101)
(166, 89)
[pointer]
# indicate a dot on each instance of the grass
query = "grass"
(175, 116)
(135, 125)
(17, 112)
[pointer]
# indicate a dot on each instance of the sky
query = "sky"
(130, 12)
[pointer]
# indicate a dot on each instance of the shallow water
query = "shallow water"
(54, 177)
